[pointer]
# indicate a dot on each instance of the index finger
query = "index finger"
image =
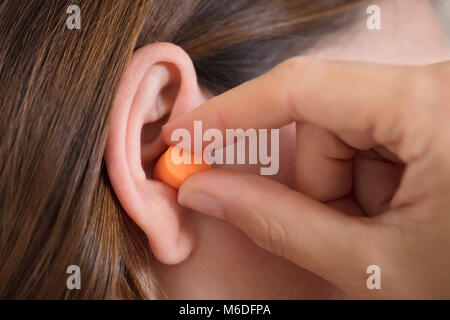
(338, 96)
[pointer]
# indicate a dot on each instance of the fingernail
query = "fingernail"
(200, 202)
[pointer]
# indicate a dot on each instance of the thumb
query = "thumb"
(287, 223)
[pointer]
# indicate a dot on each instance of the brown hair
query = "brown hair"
(57, 207)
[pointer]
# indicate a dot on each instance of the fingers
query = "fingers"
(323, 164)
(328, 170)
(373, 100)
(375, 181)
(286, 223)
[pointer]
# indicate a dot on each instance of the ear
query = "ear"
(159, 83)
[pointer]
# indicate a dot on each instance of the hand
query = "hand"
(372, 171)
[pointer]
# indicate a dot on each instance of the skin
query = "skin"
(266, 248)
(371, 172)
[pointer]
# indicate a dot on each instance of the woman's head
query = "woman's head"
(59, 204)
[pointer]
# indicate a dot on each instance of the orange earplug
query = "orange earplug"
(175, 174)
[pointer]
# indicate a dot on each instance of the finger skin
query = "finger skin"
(328, 170)
(290, 224)
(323, 164)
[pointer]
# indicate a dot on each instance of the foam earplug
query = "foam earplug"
(174, 174)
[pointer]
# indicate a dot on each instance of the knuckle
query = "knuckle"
(410, 91)
(440, 80)
(428, 91)
(271, 236)
(292, 78)
(424, 88)
(292, 69)
(416, 115)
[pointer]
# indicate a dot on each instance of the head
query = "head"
(81, 113)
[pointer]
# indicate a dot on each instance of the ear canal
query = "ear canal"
(152, 145)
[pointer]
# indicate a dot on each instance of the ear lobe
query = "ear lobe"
(159, 83)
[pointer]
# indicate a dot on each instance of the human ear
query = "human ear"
(159, 84)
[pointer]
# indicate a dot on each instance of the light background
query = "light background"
(443, 10)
